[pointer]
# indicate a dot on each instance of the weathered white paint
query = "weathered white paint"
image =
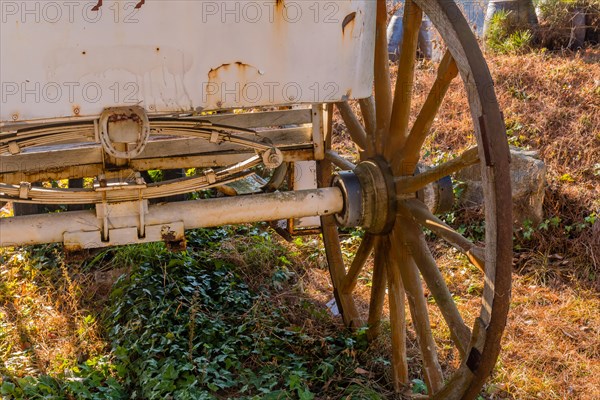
(305, 177)
(58, 227)
(62, 59)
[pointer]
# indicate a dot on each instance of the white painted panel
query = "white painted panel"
(63, 59)
(305, 177)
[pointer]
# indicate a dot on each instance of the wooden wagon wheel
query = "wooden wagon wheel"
(391, 150)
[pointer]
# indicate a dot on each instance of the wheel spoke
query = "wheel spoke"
(367, 109)
(383, 90)
(456, 386)
(362, 254)
(418, 307)
(356, 130)
(411, 184)
(409, 156)
(426, 219)
(411, 22)
(396, 297)
(333, 248)
(377, 292)
(336, 270)
(339, 161)
(459, 332)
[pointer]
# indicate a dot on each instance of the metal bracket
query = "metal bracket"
(24, 189)
(133, 210)
(211, 176)
(124, 131)
(13, 148)
(272, 158)
(171, 233)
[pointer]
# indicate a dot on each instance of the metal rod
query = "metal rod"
(339, 161)
(50, 228)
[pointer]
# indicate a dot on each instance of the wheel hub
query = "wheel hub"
(369, 196)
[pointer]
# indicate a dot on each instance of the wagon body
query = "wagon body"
(73, 59)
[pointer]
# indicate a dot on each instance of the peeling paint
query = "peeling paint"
(214, 72)
(348, 94)
(348, 19)
(228, 81)
(99, 5)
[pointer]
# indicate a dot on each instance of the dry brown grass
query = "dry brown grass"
(551, 347)
(556, 98)
(47, 317)
(552, 104)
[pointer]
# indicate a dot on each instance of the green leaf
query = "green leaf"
(8, 388)
(419, 386)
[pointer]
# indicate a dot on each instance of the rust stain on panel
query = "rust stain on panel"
(173, 241)
(228, 76)
(241, 70)
(348, 19)
(214, 72)
(140, 4)
(279, 10)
